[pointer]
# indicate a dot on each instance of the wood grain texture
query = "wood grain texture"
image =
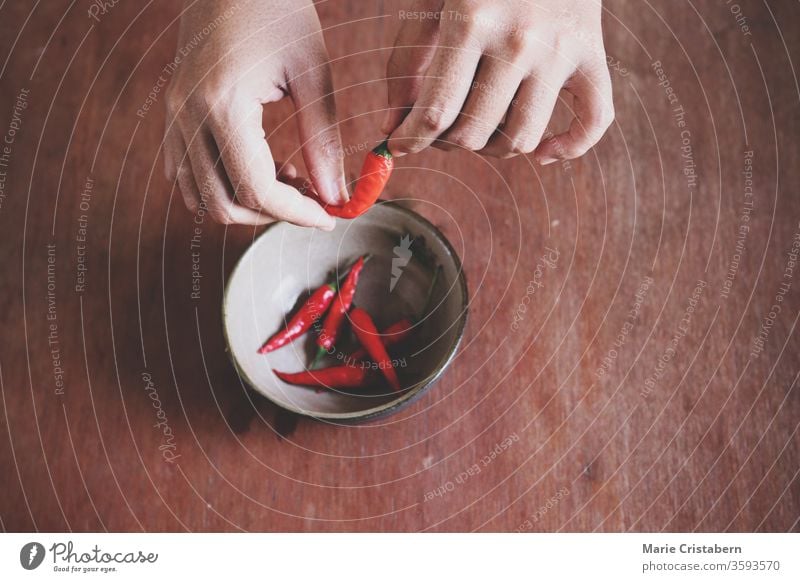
(685, 429)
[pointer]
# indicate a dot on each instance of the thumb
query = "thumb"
(312, 93)
(405, 71)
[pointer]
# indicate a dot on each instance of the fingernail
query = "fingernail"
(546, 161)
(327, 191)
(340, 189)
(329, 224)
(394, 152)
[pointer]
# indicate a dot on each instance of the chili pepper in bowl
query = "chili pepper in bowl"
(312, 310)
(314, 307)
(390, 336)
(368, 335)
(400, 330)
(341, 305)
(333, 377)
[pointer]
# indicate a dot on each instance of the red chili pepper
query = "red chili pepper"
(390, 336)
(400, 330)
(314, 308)
(375, 173)
(367, 334)
(341, 305)
(334, 377)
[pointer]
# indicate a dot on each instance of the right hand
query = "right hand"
(215, 147)
(485, 76)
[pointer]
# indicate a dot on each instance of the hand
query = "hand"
(234, 57)
(485, 76)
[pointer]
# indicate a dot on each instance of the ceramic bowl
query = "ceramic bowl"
(284, 264)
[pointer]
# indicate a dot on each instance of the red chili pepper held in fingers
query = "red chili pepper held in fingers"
(367, 334)
(334, 377)
(375, 173)
(314, 308)
(341, 305)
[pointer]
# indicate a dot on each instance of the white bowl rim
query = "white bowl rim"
(408, 396)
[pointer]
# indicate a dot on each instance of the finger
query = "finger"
(285, 170)
(594, 112)
(489, 98)
(174, 150)
(526, 119)
(177, 168)
(444, 90)
(312, 93)
(248, 163)
(290, 205)
(245, 154)
(215, 192)
(411, 56)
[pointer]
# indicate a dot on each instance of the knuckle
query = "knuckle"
(560, 46)
(174, 100)
(607, 117)
(218, 207)
(247, 191)
(478, 18)
(471, 28)
(194, 102)
(191, 202)
(433, 120)
(411, 148)
(469, 141)
(267, 198)
(211, 95)
(521, 41)
(408, 146)
(520, 146)
(248, 197)
(205, 98)
(598, 129)
(561, 150)
(220, 214)
(576, 150)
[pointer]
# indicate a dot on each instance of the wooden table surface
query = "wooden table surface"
(649, 383)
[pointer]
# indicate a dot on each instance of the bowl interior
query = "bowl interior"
(286, 263)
